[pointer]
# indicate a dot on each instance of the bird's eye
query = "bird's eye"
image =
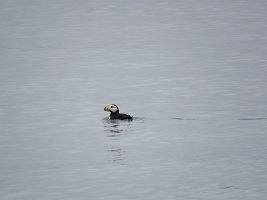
(111, 107)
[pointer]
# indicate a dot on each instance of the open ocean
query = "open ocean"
(192, 73)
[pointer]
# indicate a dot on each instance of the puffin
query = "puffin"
(115, 113)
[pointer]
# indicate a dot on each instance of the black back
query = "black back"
(120, 116)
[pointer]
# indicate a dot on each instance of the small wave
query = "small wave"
(179, 118)
(256, 118)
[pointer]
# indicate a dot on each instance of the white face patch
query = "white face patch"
(113, 108)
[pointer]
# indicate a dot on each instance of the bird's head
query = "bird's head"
(111, 108)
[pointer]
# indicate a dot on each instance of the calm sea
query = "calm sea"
(192, 73)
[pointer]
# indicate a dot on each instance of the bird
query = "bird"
(115, 113)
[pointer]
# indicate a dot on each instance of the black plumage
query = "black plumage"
(115, 113)
(120, 116)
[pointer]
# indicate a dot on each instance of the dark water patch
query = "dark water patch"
(253, 119)
(115, 132)
(179, 118)
(218, 119)
(188, 119)
(230, 187)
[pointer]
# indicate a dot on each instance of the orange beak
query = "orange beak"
(107, 108)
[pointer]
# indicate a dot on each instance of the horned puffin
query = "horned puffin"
(115, 113)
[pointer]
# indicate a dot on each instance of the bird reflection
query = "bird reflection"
(115, 130)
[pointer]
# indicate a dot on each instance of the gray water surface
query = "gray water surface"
(192, 73)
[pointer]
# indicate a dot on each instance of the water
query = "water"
(192, 73)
